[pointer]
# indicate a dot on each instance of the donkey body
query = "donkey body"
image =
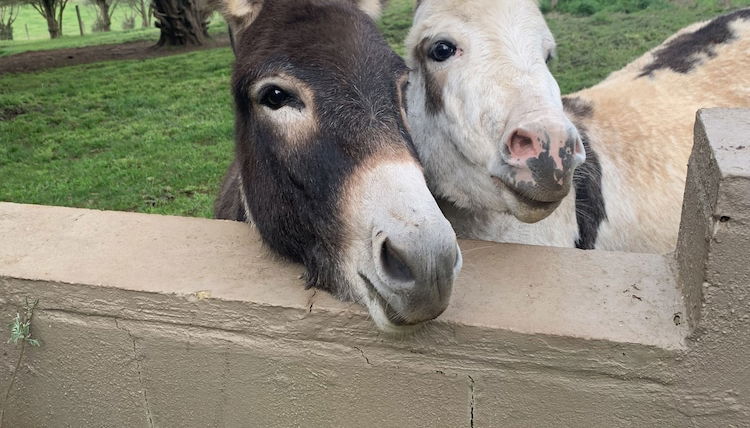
(635, 126)
(320, 134)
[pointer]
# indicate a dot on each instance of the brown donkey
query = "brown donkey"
(325, 166)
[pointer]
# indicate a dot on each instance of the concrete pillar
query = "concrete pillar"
(713, 258)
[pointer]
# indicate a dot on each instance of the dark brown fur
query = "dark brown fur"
(296, 196)
(587, 178)
(577, 108)
(433, 88)
(682, 54)
(228, 205)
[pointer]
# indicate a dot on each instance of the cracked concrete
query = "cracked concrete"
(367, 360)
(189, 323)
(137, 360)
(472, 402)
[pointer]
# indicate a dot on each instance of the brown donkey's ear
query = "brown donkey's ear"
(239, 13)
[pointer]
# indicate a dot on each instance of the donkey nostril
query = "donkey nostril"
(521, 146)
(393, 263)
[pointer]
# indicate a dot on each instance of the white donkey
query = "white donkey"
(501, 155)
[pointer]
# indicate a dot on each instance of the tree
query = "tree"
(182, 22)
(104, 11)
(52, 11)
(8, 14)
(144, 9)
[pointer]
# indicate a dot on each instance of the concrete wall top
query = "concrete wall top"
(730, 139)
(625, 298)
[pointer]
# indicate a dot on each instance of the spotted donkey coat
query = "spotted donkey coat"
(638, 124)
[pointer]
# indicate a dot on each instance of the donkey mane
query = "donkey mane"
(587, 179)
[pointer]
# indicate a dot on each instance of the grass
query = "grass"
(39, 36)
(155, 136)
(20, 330)
(150, 136)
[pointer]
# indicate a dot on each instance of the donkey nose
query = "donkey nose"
(543, 159)
(417, 264)
(564, 148)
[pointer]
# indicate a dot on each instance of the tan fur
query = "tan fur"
(371, 7)
(643, 127)
(240, 13)
(297, 127)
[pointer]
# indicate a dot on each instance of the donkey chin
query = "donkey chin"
(527, 205)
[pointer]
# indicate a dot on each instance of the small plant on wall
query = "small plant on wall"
(20, 331)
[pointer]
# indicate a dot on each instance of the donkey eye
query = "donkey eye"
(442, 50)
(275, 98)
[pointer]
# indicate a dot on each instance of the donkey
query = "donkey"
(499, 151)
(324, 165)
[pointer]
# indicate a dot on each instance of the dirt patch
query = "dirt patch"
(9, 113)
(42, 60)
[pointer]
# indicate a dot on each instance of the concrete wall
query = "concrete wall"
(163, 321)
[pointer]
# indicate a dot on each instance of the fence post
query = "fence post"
(80, 22)
(27, 32)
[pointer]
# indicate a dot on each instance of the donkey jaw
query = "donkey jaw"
(524, 208)
(383, 315)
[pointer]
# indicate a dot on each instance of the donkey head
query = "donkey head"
(485, 111)
(325, 166)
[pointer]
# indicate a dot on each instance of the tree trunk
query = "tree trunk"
(182, 22)
(104, 21)
(8, 15)
(52, 11)
(53, 27)
(144, 11)
(61, 7)
(6, 31)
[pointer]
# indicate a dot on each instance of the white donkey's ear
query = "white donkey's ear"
(371, 7)
(239, 13)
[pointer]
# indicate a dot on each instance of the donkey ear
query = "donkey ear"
(239, 13)
(371, 7)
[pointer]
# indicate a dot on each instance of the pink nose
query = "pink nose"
(564, 147)
(539, 158)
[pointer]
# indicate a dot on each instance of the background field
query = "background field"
(38, 36)
(156, 135)
(38, 26)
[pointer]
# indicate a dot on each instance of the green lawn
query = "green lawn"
(148, 136)
(156, 135)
